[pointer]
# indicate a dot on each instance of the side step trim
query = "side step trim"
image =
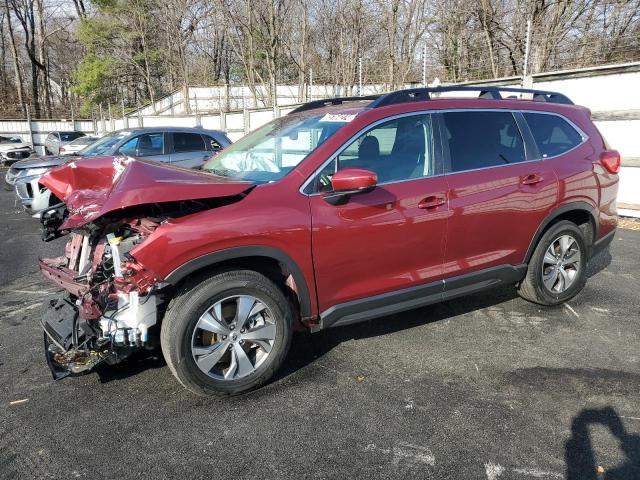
(420, 296)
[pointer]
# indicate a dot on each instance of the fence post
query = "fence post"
(29, 127)
(245, 120)
(527, 46)
(424, 66)
(359, 76)
(111, 125)
(103, 126)
(125, 119)
(73, 117)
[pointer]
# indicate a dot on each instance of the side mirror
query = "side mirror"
(350, 181)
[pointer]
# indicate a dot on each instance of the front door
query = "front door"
(393, 237)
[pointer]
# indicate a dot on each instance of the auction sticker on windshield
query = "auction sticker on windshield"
(338, 117)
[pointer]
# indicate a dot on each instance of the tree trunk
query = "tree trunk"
(16, 62)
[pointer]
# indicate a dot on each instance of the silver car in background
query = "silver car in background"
(183, 147)
(55, 140)
(78, 145)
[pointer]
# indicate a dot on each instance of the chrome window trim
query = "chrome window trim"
(346, 144)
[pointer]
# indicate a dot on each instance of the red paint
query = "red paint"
(396, 236)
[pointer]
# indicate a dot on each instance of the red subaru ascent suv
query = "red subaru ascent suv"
(341, 211)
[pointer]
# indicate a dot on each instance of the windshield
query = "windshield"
(105, 145)
(274, 150)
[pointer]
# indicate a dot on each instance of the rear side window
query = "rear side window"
(69, 136)
(187, 142)
(482, 139)
(212, 143)
(553, 134)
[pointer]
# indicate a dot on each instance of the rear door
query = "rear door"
(188, 149)
(391, 238)
(499, 190)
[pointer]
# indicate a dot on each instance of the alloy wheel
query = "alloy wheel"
(561, 264)
(233, 337)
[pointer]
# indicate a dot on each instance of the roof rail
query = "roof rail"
(492, 92)
(330, 101)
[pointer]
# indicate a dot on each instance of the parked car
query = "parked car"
(184, 147)
(55, 140)
(342, 211)
(77, 145)
(13, 149)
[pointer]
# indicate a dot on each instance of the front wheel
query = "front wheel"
(557, 268)
(227, 333)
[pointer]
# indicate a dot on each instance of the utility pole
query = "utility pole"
(527, 47)
(310, 96)
(359, 76)
(424, 66)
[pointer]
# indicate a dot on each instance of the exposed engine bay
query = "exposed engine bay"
(111, 302)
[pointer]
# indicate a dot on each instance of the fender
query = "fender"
(564, 208)
(248, 251)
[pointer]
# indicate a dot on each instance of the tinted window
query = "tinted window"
(68, 136)
(482, 139)
(144, 146)
(552, 134)
(397, 150)
(212, 143)
(187, 142)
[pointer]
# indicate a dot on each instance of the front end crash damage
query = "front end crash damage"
(112, 305)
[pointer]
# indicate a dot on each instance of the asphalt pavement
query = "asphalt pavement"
(485, 387)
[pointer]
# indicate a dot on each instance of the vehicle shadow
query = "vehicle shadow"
(308, 347)
(579, 454)
(134, 365)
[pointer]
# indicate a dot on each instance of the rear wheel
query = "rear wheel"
(557, 268)
(228, 333)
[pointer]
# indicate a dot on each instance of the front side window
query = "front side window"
(480, 139)
(272, 151)
(553, 134)
(145, 145)
(397, 150)
(187, 142)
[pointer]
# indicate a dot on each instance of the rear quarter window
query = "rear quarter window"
(552, 134)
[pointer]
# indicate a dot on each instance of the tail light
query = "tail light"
(62, 150)
(610, 159)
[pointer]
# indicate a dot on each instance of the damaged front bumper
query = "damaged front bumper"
(91, 322)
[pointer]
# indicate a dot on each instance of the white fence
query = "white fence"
(610, 92)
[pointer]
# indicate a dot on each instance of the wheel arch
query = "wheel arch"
(581, 213)
(259, 258)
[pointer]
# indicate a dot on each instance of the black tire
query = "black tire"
(532, 288)
(198, 295)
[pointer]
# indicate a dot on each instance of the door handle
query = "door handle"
(531, 179)
(432, 201)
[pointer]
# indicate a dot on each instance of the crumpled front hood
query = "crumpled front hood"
(93, 187)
